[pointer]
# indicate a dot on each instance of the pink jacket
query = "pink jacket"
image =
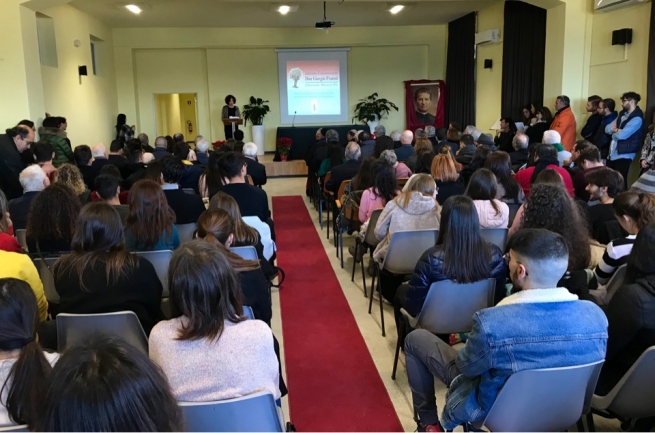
(402, 170)
(487, 215)
(369, 203)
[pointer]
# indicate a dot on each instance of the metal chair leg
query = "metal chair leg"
(320, 212)
(341, 246)
(352, 276)
(328, 203)
(590, 422)
(370, 299)
(364, 276)
(381, 309)
(580, 425)
(401, 331)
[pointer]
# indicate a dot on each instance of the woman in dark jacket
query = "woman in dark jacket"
(460, 254)
(503, 139)
(445, 175)
(631, 313)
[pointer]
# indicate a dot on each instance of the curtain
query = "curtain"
(460, 71)
(524, 53)
(437, 90)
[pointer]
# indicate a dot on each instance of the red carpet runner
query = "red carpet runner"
(333, 383)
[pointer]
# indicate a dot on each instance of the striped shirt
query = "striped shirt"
(646, 183)
(615, 255)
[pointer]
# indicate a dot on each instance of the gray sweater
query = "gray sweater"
(421, 213)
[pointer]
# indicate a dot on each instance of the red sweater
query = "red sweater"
(523, 178)
(9, 243)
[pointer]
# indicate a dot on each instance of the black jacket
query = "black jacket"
(254, 287)
(11, 164)
(132, 173)
(591, 127)
(367, 147)
(345, 171)
(465, 154)
(118, 160)
(138, 291)
(429, 269)
(449, 189)
(160, 152)
(89, 175)
(518, 158)
(191, 177)
(252, 201)
(309, 156)
(19, 208)
(187, 207)
(536, 132)
(257, 171)
(631, 327)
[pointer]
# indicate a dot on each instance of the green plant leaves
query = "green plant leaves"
(367, 109)
(255, 111)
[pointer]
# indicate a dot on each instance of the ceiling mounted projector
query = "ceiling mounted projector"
(325, 24)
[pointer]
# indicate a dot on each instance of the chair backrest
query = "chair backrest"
(513, 209)
(615, 282)
(249, 180)
(22, 427)
(186, 231)
(248, 313)
(159, 260)
(634, 395)
(246, 253)
(449, 307)
(251, 413)
(342, 189)
(548, 399)
(74, 328)
(189, 191)
(402, 181)
(21, 236)
(370, 238)
(406, 247)
(47, 278)
(497, 237)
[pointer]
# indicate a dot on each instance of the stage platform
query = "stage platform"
(286, 168)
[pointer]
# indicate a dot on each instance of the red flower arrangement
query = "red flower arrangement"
(217, 144)
(283, 145)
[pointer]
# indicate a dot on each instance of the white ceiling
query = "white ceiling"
(246, 13)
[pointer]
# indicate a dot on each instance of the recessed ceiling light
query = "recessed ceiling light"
(396, 9)
(133, 8)
(284, 9)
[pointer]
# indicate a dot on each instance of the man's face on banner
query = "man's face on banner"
(423, 102)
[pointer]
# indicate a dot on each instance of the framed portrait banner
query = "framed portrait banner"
(425, 102)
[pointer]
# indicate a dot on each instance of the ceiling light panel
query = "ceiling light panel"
(397, 8)
(133, 8)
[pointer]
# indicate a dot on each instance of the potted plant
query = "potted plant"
(255, 112)
(218, 144)
(283, 146)
(371, 109)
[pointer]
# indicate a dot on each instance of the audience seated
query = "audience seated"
(507, 188)
(192, 172)
(346, 171)
(505, 134)
(212, 180)
(384, 189)
(553, 138)
(321, 150)
(101, 276)
(84, 160)
(145, 143)
(135, 168)
(24, 367)
(43, 155)
(202, 151)
(546, 177)
(129, 392)
(99, 152)
(405, 150)
(20, 266)
(545, 157)
(400, 169)
(395, 136)
(55, 203)
(460, 255)
(414, 209)
(51, 133)
(634, 211)
(150, 224)
(117, 154)
(421, 146)
(382, 143)
(252, 201)
(603, 187)
(543, 321)
(363, 179)
(70, 175)
(467, 148)
(255, 169)
(445, 175)
(366, 144)
(211, 335)
(631, 323)
(492, 213)
(187, 207)
(477, 162)
(589, 160)
(217, 227)
(431, 132)
(573, 163)
(108, 188)
(334, 159)
(7, 240)
(160, 148)
(33, 180)
(13, 143)
(320, 144)
(519, 156)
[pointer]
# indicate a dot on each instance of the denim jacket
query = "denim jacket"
(539, 328)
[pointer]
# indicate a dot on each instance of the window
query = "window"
(93, 58)
(45, 29)
(97, 55)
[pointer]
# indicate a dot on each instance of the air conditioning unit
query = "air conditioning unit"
(487, 36)
(612, 5)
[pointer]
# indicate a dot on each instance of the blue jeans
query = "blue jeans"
(428, 356)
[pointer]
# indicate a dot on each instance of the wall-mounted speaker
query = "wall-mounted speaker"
(488, 63)
(82, 70)
(622, 37)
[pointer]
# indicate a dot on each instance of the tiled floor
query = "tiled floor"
(381, 348)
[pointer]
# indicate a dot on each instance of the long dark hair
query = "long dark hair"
(121, 120)
(640, 260)
(215, 226)
(466, 254)
(335, 154)
(482, 186)
(637, 205)
(385, 184)
(106, 384)
(26, 383)
(205, 289)
(55, 203)
(150, 216)
(551, 208)
(500, 165)
(213, 174)
(364, 178)
(98, 237)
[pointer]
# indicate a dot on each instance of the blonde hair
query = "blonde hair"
(422, 145)
(70, 176)
(421, 183)
(443, 169)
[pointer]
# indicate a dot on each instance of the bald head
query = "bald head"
(406, 137)
(99, 151)
(161, 142)
(353, 152)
